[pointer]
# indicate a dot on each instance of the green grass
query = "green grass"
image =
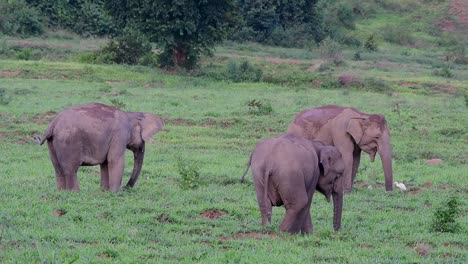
(209, 124)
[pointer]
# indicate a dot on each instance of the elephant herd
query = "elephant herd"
(320, 151)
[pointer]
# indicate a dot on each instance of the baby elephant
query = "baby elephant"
(97, 134)
(287, 170)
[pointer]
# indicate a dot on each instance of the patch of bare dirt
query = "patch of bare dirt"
(386, 64)
(58, 213)
(252, 235)
(410, 84)
(445, 88)
(347, 79)
(366, 246)
(164, 218)
(445, 187)
(423, 249)
(213, 214)
(10, 73)
(427, 185)
(434, 161)
(116, 82)
(416, 191)
(360, 184)
(38, 44)
(206, 123)
(46, 118)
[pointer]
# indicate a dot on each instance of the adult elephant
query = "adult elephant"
(97, 134)
(350, 131)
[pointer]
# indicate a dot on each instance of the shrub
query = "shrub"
(259, 108)
(331, 51)
(24, 54)
(127, 48)
(17, 18)
(190, 177)
(397, 34)
(445, 71)
(4, 98)
(371, 43)
(243, 72)
(444, 219)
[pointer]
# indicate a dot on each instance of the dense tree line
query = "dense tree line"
(183, 29)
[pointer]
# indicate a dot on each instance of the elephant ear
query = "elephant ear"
(356, 128)
(325, 160)
(150, 125)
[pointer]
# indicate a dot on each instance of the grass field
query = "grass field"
(209, 124)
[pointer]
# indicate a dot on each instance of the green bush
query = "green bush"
(371, 43)
(17, 18)
(444, 219)
(24, 54)
(257, 107)
(397, 34)
(331, 51)
(243, 72)
(445, 71)
(190, 177)
(127, 48)
(4, 98)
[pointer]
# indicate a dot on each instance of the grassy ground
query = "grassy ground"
(210, 124)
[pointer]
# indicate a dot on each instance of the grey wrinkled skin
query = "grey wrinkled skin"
(97, 134)
(287, 170)
(352, 132)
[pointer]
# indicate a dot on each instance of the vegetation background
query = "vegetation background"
(267, 61)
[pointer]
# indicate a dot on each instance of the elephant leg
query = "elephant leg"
(356, 161)
(60, 178)
(348, 171)
(264, 203)
(105, 176)
(71, 179)
(295, 214)
(116, 171)
(307, 225)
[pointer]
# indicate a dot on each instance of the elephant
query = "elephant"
(351, 131)
(98, 134)
(287, 170)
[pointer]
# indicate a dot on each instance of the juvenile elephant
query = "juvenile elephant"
(287, 170)
(92, 134)
(350, 131)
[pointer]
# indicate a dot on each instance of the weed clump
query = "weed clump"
(444, 219)
(257, 107)
(444, 71)
(371, 43)
(243, 72)
(189, 173)
(330, 50)
(4, 98)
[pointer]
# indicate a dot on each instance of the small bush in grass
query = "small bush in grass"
(243, 72)
(118, 103)
(189, 173)
(331, 51)
(445, 71)
(398, 34)
(127, 48)
(4, 98)
(257, 107)
(377, 85)
(24, 54)
(371, 43)
(444, 219)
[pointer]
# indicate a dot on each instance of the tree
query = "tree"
(183, 29)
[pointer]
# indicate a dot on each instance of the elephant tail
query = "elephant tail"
(247, 169)
(48, 133)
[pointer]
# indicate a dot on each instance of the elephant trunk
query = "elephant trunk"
(337, 209)
(385, 152)
(138, 155)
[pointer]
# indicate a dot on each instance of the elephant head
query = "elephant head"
(330, 182)
(371, 134)
(144, 126)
